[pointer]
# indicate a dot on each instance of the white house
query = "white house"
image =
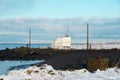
(62, 43)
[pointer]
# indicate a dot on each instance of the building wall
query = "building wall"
(61, 43)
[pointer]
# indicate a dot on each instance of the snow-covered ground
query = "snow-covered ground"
(46, 72)
(98, 46)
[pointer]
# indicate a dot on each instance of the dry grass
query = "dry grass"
(98, 63)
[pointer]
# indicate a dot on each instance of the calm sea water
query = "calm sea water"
(4, 46)
(7, 65)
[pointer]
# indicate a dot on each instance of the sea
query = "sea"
(48, 45)
(7, 65)
(34, 45)
(14, 45)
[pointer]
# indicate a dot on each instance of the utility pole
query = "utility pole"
(30, 38)
(67, 35)
(87, 36)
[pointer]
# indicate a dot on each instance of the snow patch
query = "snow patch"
(46, 72)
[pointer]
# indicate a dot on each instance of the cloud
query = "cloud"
(48, 29)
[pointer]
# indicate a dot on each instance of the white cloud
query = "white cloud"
(12, 33)
(46, 28)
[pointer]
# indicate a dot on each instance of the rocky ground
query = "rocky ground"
(61, 59)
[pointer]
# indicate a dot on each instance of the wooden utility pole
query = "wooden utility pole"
(67, 35)
(30, 38)
(87, 36)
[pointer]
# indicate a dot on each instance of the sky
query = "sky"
(49, 19)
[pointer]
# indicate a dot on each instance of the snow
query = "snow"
(46, 72)
(98, 46)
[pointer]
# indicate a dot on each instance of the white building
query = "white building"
(62, 43)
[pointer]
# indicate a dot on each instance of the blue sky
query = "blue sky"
(49, 19)
(59, 8)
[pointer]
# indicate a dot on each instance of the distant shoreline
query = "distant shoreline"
(33, 43)
(108, 45)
